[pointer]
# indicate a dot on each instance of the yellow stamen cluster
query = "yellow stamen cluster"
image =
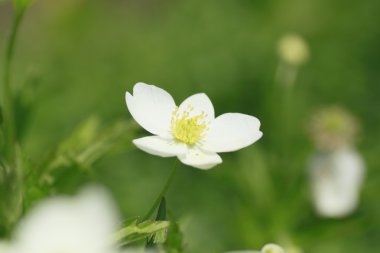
(188, 129)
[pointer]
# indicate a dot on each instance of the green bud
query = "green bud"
(333, 128)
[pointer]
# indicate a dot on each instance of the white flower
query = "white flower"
(336, 179)
(191, 132)
(5, 247)
(82, 224)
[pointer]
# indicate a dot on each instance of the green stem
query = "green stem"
(6, 95)
(163, 191)
(10, 208)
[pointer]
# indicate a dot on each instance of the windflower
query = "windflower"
(190, 131)
(82, 224)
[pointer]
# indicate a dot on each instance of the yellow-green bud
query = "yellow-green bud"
(293, 49)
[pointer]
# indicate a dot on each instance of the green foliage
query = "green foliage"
(25, 99)
(1, 117)
(174, 242)
(11, 193)
(135, 231)
(70, 164)
(161, 216)
(89, 142)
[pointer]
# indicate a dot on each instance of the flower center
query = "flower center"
(188, 129)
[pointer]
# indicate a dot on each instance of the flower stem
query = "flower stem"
(163, 191)
(6, 96)
(11, 185)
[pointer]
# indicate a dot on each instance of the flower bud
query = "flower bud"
(293, 49)
(333, 128)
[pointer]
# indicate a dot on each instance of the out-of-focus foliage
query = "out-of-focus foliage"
(135, 231)
(84, 55)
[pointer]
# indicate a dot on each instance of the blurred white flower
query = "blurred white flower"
(82, 224)
(4, 247)
(336, 168)
(272, 248)
(191, 132)
(336, 179)
(293, 49)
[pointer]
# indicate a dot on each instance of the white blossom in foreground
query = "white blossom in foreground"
(82, 224)
(191, 132)
(336, 179)
(268, 248)
(5, 247)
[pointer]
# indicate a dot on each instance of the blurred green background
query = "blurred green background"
(78, 57)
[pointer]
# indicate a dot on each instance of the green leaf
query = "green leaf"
(90, 141)
(25, 99)
(69, 165)
(11, 190)
(174, 241)
(159, 237)
(161, 213)
(65, 157)
(135, 231)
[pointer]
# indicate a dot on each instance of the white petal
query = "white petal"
(5, 247)
(232, 131)
(65, 223)
(200, 159)
(156, 145)
(336, 180)
(200, 104)
(151, 107)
